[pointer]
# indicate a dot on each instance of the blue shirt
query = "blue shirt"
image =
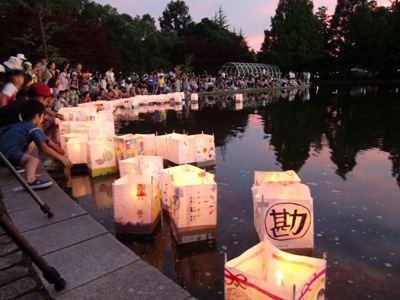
(18, 136)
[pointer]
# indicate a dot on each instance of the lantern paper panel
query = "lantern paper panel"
(136, 200)
(146, 165)
(181, 148)
(64, 138)
(161, 145)
(205, 148)
(265, 272)
(128, 145)
(101, 158)
(194, 202)
(149, 143)
(166, 180)
(63, 128)
(77, 150)
(284, 215)
(276, 178)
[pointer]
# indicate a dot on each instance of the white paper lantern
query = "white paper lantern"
(77, 150)
(189, 194)
(181, 148)
(64, 138)
(101, 158)
(136, 202)
(146, 165)
(265, 272)
(284, 214)
(205, 149)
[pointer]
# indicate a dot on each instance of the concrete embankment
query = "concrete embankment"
(93, 262)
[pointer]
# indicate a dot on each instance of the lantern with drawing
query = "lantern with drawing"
(205, 149)
(265, 272)
(146, 165)
(128, 145)
(101, 158)
(283, 212)
(181, 148)
(190, 196)
(136, 204)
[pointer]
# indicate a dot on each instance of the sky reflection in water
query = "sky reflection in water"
(356, 198)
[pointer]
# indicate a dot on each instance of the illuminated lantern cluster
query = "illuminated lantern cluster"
(186, 149)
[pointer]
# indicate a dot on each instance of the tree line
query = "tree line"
(360, 35)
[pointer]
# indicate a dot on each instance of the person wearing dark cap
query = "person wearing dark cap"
(10, 113)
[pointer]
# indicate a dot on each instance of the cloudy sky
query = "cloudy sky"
(250, 16)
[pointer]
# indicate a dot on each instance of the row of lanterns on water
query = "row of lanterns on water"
(282, 205)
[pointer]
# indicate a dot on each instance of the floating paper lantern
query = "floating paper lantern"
(265, 272)
(205, 149)
(189, 194)
(77, 150)
(149, 143)
(146, 165)
(181, 148)
(136, 204)
(284, 214)
(101, 158)
(64, 138)
(128, 145)
(238, 97)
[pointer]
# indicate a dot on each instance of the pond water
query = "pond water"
(343, 142)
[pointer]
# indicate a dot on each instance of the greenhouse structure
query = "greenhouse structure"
(240, 69)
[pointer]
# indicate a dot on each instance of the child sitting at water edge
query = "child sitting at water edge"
(17, 137)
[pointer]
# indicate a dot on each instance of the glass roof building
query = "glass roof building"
(240, 69)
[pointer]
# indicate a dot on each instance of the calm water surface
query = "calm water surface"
(344, 143)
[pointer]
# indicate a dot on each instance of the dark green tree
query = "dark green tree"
(221, 19)
(175, 17)
(294, 41)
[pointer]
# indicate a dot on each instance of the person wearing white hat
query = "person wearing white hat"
(9, 92)
(13, 63)
(21, 57)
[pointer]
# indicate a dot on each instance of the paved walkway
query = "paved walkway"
(93, 262)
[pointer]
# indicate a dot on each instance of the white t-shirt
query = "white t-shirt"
(9, 90)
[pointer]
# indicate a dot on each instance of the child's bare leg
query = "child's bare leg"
(30, 148)
(30, 164)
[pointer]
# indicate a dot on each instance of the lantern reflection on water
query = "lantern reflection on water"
(265, 272)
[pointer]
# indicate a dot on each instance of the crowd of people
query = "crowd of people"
(71, 85)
